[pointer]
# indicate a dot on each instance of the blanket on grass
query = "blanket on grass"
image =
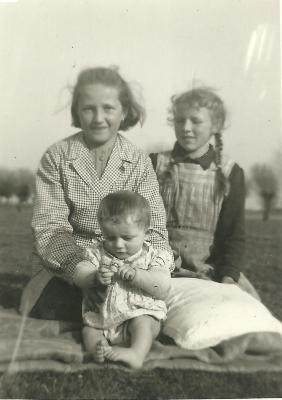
(28, 344)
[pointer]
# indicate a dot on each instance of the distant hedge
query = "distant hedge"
(19, 183)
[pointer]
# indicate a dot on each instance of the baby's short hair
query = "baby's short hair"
(123, 203)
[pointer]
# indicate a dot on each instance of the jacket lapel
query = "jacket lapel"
(80, 159)
(118, 165)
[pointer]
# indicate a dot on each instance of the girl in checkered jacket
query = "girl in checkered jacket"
(133, 279)
(203, 192)
(73, 176)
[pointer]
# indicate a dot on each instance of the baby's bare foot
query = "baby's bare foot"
(100, 350)
(126, 355)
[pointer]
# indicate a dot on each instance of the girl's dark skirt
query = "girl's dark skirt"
(59, 301)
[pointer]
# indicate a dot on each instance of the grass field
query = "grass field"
(263, 268)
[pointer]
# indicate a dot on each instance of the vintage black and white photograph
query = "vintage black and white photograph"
(140, 199)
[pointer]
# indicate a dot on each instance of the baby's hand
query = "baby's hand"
(126, 272)
(104, 275)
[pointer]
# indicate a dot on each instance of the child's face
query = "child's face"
(100, 112)
(193, 129)
(123, 239)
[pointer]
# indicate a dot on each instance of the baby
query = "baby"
(133, 280)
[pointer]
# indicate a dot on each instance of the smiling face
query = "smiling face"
(100, 113)
(123, 238)
(193, 129)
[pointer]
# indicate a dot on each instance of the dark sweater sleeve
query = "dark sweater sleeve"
(154, 159)
(228, 252)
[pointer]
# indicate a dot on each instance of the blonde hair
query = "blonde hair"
(206, 97)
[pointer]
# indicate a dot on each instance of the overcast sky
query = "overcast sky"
(161, 46)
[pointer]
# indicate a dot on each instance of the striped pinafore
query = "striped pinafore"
(193, 206)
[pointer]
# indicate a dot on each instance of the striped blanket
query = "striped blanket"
(30, 344)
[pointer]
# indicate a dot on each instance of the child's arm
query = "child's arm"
(52, 231)
(229, 246)
(156, 280)
(93, 271)
(93, 277)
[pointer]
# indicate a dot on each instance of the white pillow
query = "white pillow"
(203, 313)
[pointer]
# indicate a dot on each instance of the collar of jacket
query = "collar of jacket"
(179, 155)
(79, 158)
(78, 148)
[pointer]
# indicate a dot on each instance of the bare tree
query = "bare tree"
(266, 184)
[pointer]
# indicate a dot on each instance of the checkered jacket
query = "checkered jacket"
(68, 193)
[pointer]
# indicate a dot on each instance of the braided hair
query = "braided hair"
(222, 184)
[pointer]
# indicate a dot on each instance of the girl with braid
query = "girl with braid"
(203, 192)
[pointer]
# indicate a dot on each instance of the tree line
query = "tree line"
(263, 180)
(19, 183)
